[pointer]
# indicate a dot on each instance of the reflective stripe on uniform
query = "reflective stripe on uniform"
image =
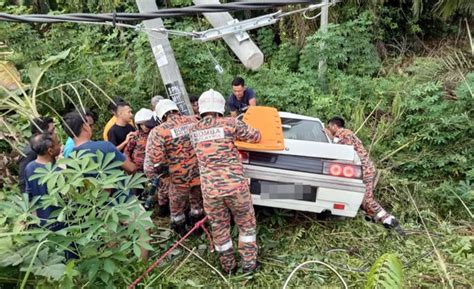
(247, 239)
(381, 214)
(226, 246)
(178, 218)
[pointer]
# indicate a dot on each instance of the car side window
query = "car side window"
(305, 130)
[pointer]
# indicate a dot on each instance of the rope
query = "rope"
(159, 260)
(316, 262)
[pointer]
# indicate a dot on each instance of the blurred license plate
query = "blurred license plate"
(271, 190)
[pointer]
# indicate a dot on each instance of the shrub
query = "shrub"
(93, 221)
(347, 47)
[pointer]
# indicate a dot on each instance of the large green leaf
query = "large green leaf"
(36, 70)
(56, 58)
(10, 258)
(54, 272)
(109, 266)
(5, 243)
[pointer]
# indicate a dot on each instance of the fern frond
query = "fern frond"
(387, 272)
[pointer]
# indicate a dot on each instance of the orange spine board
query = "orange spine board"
(268, 122)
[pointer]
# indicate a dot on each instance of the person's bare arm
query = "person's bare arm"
(129, 148)
(129, 166)
(328, 133)
(122, 146)
(253, 102)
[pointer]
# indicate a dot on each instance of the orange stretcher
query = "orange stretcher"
(267, 120)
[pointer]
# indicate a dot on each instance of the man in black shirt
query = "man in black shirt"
(37, 125)
(242, 97)
(119, 133)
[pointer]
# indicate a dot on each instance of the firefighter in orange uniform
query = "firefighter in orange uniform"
(223, 183)
(338, 134)
(169, 145)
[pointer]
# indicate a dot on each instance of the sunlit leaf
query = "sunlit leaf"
(136, 250)
(109, 266)
(54, 272)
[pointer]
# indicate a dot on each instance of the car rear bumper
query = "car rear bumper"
(314, 180)
(330, 191)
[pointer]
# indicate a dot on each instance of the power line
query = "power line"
(214, 33)
(163, 13)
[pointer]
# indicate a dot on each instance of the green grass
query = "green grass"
(288, 238)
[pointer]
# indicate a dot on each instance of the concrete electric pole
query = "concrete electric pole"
(240, 43)
(324, 28)
(165, 59)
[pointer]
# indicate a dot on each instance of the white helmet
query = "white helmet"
(164, 106)
(143, 115)
(211, 101)
(155, 99)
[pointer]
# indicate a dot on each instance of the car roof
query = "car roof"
(297, 116)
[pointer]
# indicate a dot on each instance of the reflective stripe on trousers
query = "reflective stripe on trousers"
(178, 219)
(224, 247)
(247, 239)
(381, 214)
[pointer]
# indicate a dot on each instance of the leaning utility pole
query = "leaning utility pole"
(240, 43)
(164, 57)
(324, 28)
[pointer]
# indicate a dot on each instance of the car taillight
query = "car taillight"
(342, 170)
(244, 157)
(338, 206)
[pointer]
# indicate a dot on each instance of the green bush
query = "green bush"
(282, 89)
(286, 56)
(93, 225)
(347, 47)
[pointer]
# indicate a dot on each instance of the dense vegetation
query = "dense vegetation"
(399, 72)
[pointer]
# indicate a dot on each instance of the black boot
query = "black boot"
(395, 225)
(179, 228)
(163, 211)
(251, 269)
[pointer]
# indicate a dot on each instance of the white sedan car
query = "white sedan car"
(311, 174)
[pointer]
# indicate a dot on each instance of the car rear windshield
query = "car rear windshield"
(306, 130)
